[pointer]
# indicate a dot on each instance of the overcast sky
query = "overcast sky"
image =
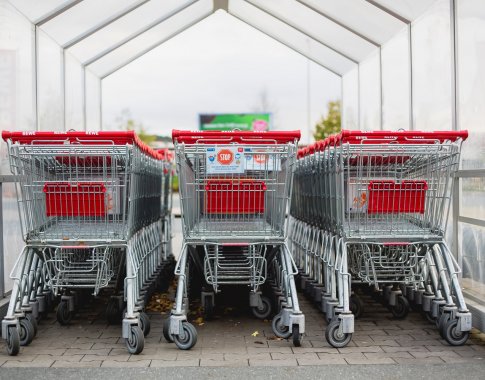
(220, 65)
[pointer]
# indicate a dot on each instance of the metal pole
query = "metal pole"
(381, 123)
(455, 244)
(411, 87)
(2, 258)
(36, 77)
(63, 87)
(358, 98)
(308, 100)
(100, 104)
(84, 97)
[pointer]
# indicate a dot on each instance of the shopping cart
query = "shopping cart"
(92, 220)
(234, 191)
(372, 208)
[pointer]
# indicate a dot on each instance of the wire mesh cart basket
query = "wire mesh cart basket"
(234, 190)
(94, 219)
(371, 208)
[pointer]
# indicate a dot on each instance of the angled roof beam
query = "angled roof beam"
(55, 12)
(339, 23)
(287, 45)
(137, 33)
(155, 45)
(302, 32)
(389, 11)
(106, 22)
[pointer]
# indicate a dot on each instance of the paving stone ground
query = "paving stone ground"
(228, 341)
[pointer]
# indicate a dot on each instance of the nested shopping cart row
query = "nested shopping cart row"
(234, 191)
(95, 214)
(371, 208)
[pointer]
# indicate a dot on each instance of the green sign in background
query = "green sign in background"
(229, 122)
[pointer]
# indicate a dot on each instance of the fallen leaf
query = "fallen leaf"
(256, 333)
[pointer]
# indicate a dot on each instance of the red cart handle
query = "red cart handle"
(401, 137)
(242, 137)
(77, 137)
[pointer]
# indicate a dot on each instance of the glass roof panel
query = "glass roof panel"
(409, 9)
(127, 26)
(320, 28)
(289, 36)
(359, 15)
(35, 9)
(83, 17)
(152, 38)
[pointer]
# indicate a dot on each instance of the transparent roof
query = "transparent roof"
(127, 27)
(83, 17)
(359, 16)
(36, 10)
(409, 9)
(291, 37)
(318, 27)
(106, 35)
(151, 38)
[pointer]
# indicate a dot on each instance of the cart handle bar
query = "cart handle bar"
(383, 137)
(242, 137)
(83, 138)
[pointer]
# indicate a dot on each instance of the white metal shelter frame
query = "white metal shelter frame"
(337, 35)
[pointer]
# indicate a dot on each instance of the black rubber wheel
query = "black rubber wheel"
(136, 341)
(429, 317)
(63, 315)
(26, 332)
(336, 338)
(145, 323)
(113, 312)
(401, 309)
(280, 330)
(264, 311)
(33, 321)
(297, 337)
(166, 330)
(441, 323)
(453, 336)
(356, 306)
(188, 339)
(13, 340)
(208, 308)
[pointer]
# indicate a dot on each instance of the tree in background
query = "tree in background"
(127, 123)
(331, 124)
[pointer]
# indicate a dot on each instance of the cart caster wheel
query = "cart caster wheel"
(356, 306)
(280, 330)
(26, 332)
(335, 337)
(264, 311)
(188, 339)
(166, 329)
(136, 341)
(429, 317)
(401, 309)
(208, 308)
(145, 323)
(297, 337)
(113, 312)
(441, 323)
(452, 335)
(13, 341)
(63, 315)
(33, 322)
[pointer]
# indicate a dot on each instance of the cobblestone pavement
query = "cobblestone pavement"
(229, 341)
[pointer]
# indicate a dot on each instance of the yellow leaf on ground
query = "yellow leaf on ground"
(256, 333)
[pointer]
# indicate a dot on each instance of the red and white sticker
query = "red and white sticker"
(222, 160)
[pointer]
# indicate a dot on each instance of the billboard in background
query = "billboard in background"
(229, 122)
